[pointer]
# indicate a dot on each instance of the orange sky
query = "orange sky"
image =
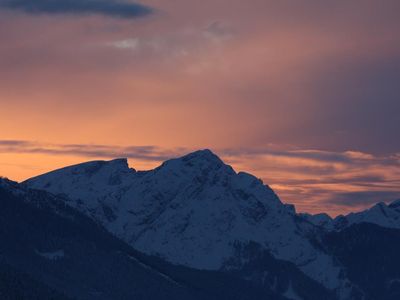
(262, 83)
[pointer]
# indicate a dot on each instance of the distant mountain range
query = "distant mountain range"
(192, 228)
(380, 214)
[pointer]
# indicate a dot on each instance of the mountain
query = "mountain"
(197, 212)
(381, 214)
(321, 220)
(49, 250)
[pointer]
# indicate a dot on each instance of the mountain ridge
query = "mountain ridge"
(191, 211)
(382, 214)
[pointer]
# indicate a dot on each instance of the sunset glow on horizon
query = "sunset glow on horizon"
(302, 94)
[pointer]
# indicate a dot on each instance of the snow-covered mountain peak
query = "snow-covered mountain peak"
(379, 214)
(120, 163)
(322, 220)
(95, 169)
(7, 184)
(202, 156)
(382, 214)
(87, 183)
(202, 161)
(395, 204)
(191, 210)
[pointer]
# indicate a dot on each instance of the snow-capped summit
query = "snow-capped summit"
(379, 214)
(395, 204)
(4, 182)
(204, 156)
(191, 210)
(322, 220)
(10, 186)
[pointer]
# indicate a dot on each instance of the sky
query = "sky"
(303, 94)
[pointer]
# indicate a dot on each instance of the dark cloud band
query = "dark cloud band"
(148, 153)
(363, 198)
(110, 8)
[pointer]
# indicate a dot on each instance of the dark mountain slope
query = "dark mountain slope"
(17, 285)
(371, 255)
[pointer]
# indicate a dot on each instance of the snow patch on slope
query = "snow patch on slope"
(53, 255)
(291, 294)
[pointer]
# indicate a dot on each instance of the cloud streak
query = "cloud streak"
(111, 8)
(323, 181)
(148, 153)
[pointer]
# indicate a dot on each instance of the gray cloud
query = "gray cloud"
(349, 157)
(355, 180)
(363, 198)
(14, 143)
(110, 8)
(149, 153)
